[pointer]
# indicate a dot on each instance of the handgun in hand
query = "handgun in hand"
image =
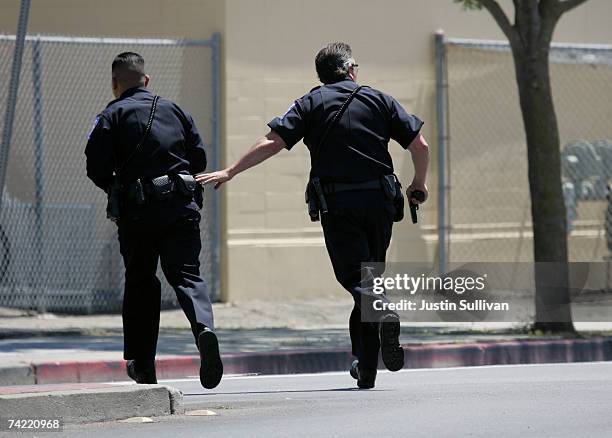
(419, 196)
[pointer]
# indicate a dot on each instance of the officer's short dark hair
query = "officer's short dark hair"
(128, 68)
(333, 62)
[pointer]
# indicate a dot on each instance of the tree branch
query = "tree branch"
(570, 4)
(550, 12)
(500, 17)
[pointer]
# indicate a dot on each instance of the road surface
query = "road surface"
(561, 400)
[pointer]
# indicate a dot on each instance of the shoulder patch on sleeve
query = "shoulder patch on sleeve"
(95, 123)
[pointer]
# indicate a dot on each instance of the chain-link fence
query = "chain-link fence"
(487, 214)
(58, 252)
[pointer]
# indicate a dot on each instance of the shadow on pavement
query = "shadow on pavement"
(278, 392)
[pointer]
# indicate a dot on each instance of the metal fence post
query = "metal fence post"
(441, 123)
(216, 163)
(11, 102)
(38, 172)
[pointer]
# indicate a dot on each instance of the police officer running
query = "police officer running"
(352, 188)
(143, 151)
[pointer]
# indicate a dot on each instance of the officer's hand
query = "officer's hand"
(418, 186)
(216, 178)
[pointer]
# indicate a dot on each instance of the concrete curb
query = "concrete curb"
(89, 403)
(16, 374)
(322, 360)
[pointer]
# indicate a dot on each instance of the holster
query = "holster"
(392, 187)
(315, 199)
(311, 201)
(113, 205)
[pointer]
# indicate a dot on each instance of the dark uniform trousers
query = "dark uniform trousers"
(357, 230)
(166, 231)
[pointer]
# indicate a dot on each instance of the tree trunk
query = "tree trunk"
(553, 310)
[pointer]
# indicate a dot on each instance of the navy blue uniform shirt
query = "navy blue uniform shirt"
(173, 145)
(357, 147)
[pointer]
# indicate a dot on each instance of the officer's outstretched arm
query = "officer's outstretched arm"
(263, 149)
(419, 149)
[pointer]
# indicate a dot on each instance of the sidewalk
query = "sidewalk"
(85, 403)
(257, 337)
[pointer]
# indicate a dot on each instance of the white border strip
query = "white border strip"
(112, 40)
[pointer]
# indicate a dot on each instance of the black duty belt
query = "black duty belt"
(331, 188)
(160, 188)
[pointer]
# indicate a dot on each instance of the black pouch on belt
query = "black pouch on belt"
(162, 187)
(393, 191)
(188, 186)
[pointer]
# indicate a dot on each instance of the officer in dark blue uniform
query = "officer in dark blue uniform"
(347, 129)
(143, 151)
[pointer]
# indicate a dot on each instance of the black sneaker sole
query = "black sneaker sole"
(211, 367)
(369, 382)
(392, 352)
(363, 385)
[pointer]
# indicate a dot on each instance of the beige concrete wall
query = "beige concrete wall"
(131, 18)
(270, 48)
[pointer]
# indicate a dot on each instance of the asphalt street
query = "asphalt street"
(560, 400)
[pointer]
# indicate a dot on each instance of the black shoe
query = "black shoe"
(365, 377)
(392, 352)
(353, 370)
(144, 375)
(211, 367)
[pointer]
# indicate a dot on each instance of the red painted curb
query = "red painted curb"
(322, 360)
(90, 371)
(177, 367)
